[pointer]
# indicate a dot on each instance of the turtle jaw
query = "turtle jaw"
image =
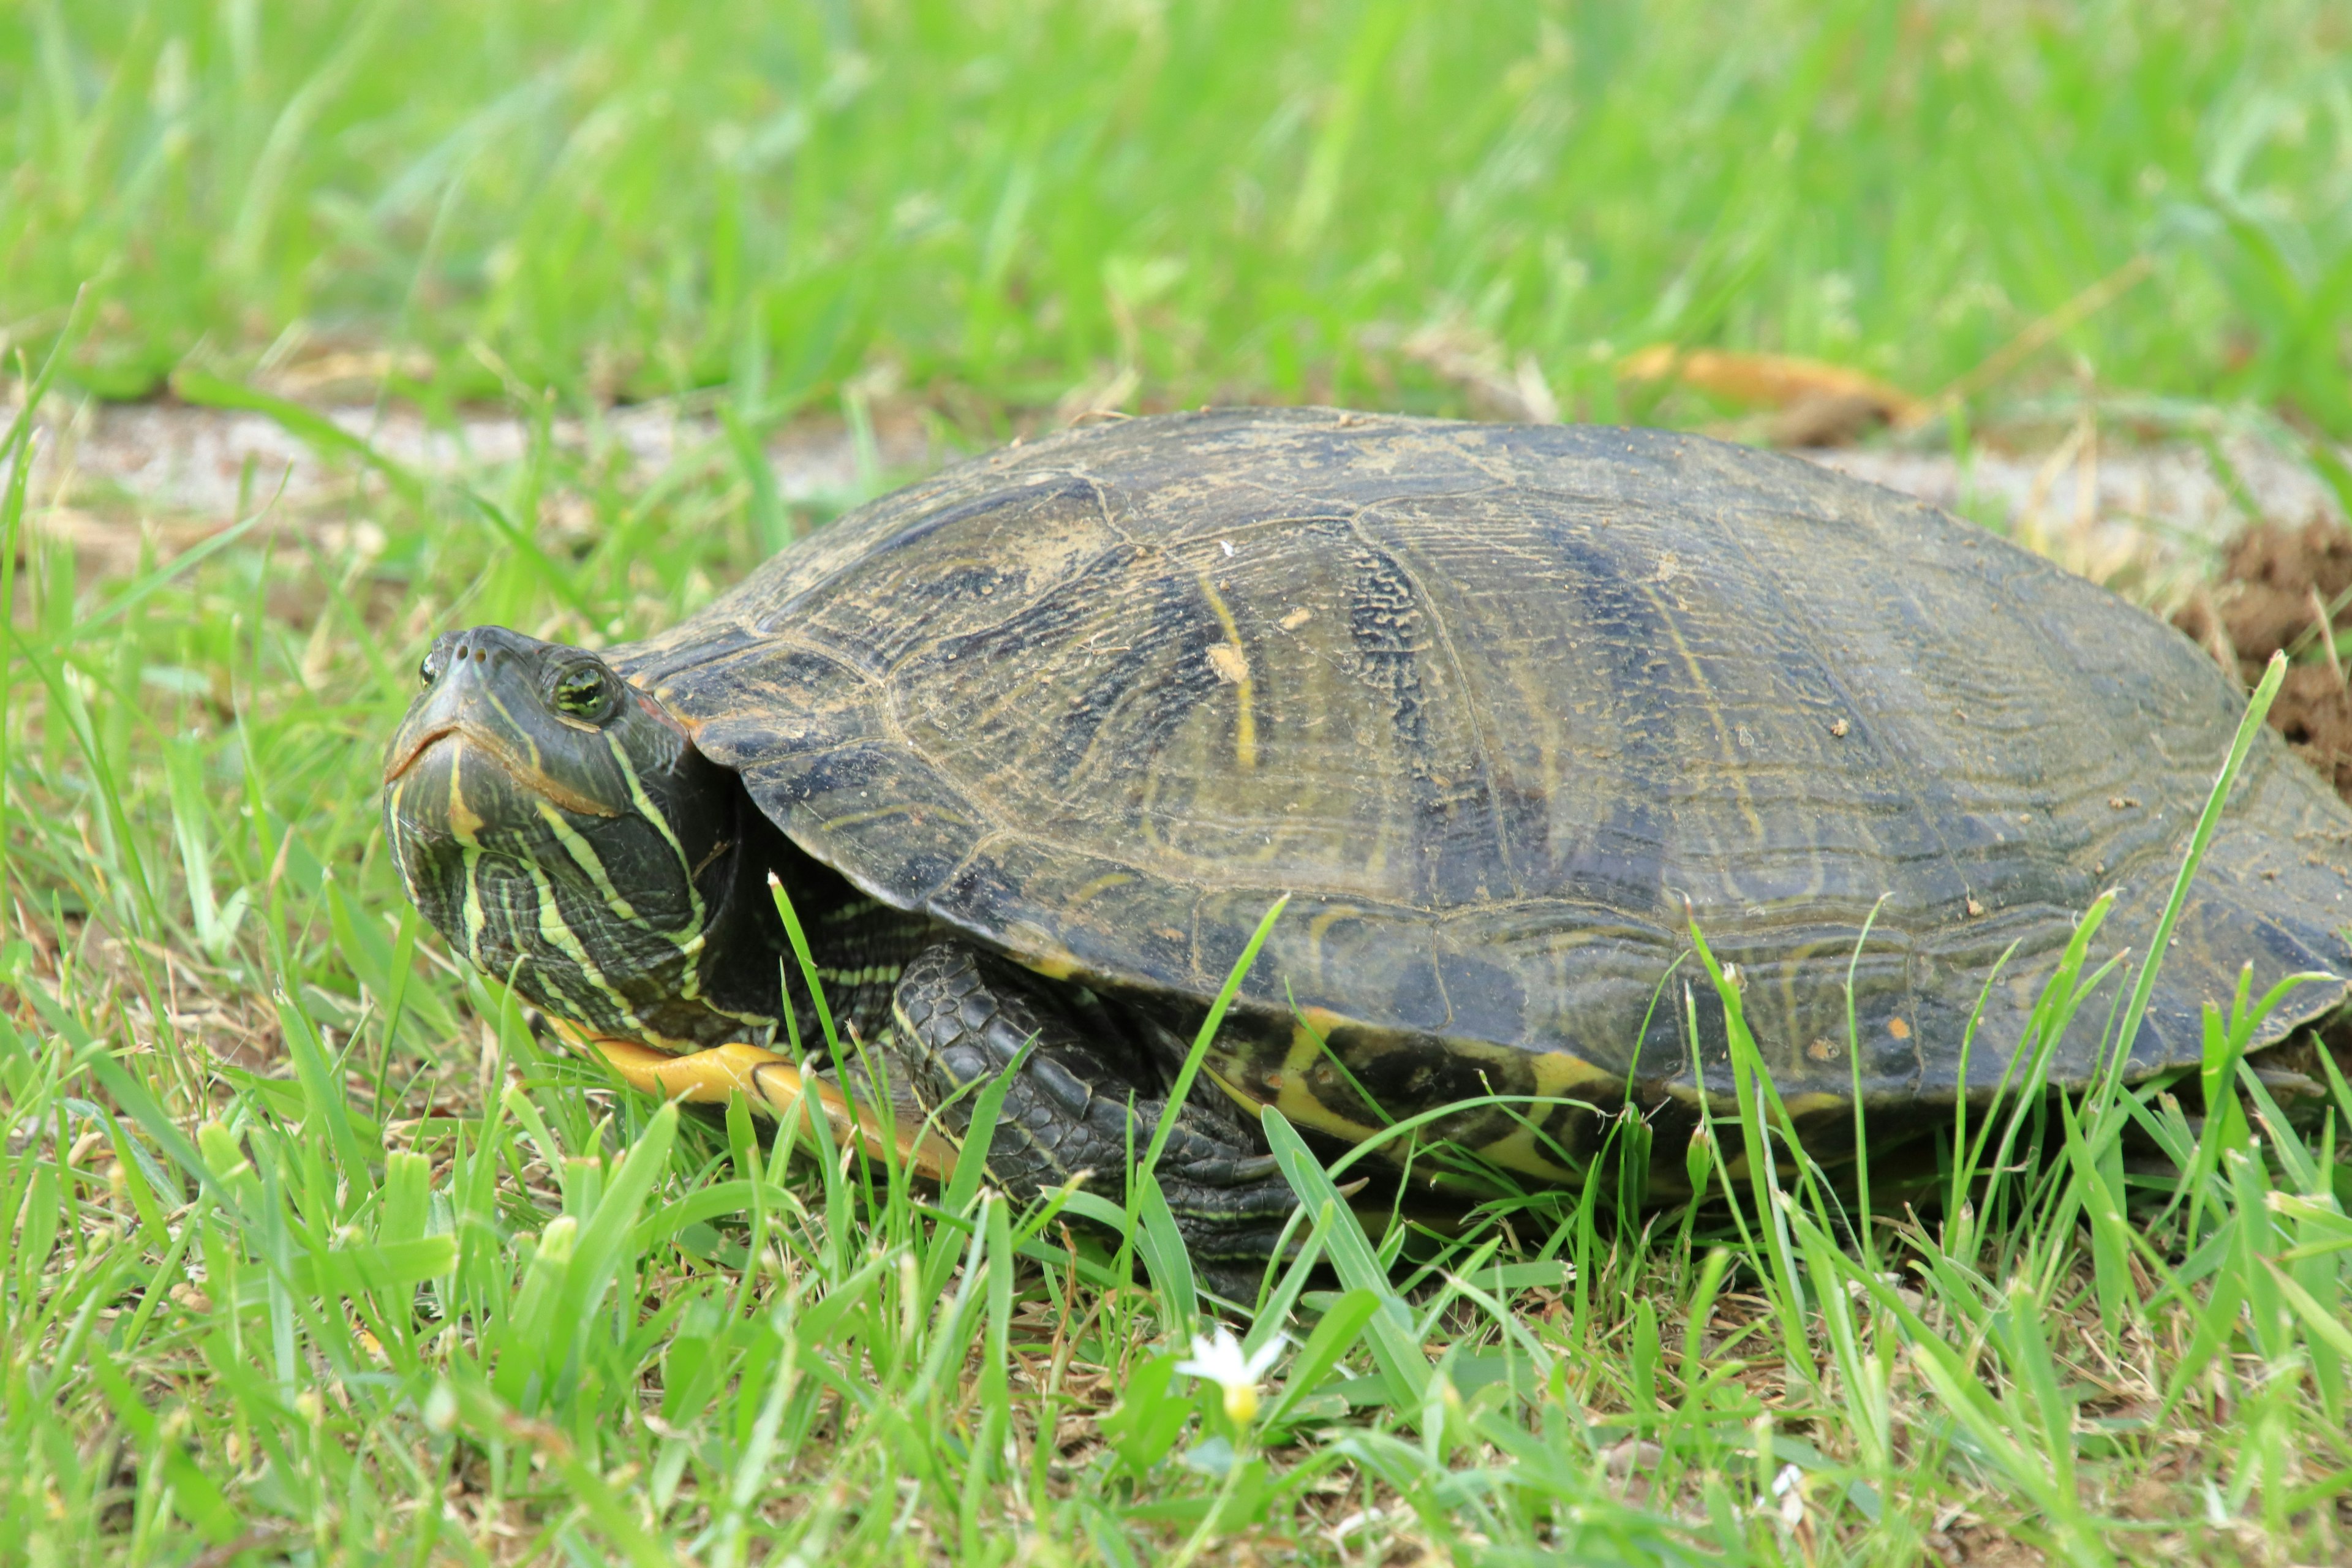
(414, 741)
(562, 851)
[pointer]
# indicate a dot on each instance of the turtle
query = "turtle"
(1504, 713)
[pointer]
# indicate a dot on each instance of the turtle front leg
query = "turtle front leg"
(773, 1085)
(1084, 1101)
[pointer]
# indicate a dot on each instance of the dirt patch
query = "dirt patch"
(2275, 585)
(2278, 587)
(2314, 714)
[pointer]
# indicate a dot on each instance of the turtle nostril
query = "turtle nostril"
(481, 654)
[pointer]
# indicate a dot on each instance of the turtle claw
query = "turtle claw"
(1230, 1172)
(774, 1086)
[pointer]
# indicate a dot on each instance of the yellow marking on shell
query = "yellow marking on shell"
(1293, 1094)
(1309, 1032)
(1148, 819)
(1296, 1102)
(1818, 1101)
(1790, 1006)
(1101, 884)
(1522, 1149)
(1560, 1074)
(1715, 715)
(901, 808)
(1034, 949)
(1231, 664)
(1317, 926)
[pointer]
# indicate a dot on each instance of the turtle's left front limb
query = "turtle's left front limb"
(773, 1085)
(1081, 1103)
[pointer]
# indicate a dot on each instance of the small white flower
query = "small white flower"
(441, 1408)
(1221, 1361)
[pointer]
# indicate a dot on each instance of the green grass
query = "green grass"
(991, 204)
(313, 1255)
(317, 1256)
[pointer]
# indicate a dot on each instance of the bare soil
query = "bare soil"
(2277, 587)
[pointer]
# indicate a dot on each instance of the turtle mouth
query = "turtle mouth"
(520, 770)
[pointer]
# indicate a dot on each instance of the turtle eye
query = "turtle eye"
(583, 691)
(430, 669)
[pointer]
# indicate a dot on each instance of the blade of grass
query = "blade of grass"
(2258, 705)
(1404, 1365)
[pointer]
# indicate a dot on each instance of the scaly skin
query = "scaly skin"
(1083, 1104)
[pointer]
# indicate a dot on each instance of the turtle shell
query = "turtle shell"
(1502, 709)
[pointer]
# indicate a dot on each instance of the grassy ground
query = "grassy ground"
(997, 203)
(313, 1255)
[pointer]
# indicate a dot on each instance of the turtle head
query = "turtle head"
(560, 828)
